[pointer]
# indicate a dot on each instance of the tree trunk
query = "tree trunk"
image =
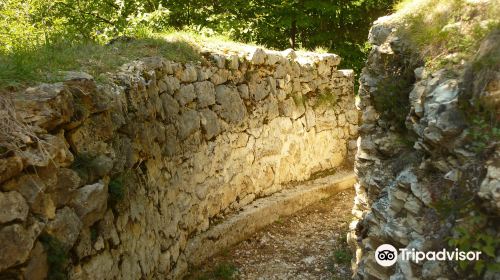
(293, 32)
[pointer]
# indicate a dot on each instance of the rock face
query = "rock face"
(123, 176)
(415, 154)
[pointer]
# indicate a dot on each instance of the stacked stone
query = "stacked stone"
(186, 143)
(399, 184)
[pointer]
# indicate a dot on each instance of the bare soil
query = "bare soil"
(311, 244)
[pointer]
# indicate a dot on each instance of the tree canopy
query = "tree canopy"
(334, 25)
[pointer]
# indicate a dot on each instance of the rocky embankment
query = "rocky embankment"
(428, 160)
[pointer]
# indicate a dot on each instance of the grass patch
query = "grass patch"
(446, 32)
(340, 259)
(223, 271)
(327, 99)
(43, 63)
(299, 99)
(57, 257)
(280, 221)
(342, 256)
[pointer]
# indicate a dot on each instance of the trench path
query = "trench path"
(310, 244)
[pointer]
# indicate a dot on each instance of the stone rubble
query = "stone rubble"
(403, 173)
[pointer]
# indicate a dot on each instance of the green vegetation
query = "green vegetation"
(57, 257)
(223, 271)
(94, 233)
(470, 231)
(117, 189)
(446, 32)
(327, 99)
(299, 99)
(483, 133)
(44, 63)
(84, 164)
(391, 97)
(342, 256)
(41, 37)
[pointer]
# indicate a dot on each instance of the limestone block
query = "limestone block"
(232, 108)
(271, 107)
(185, 94)
(370, 115)
(352, 116)
(107, 228)
(220, 60)
(99, 267)
(46, 106)
(220, 77)
(187, 123)
(10, 167)
(490, 186)
(234, 62)
(67, 182)
(310, 118)
(12, 207)
(210, 123)
(91, 136)
(258, 90)
(189, 74)
(65, 227)
(271, 82)
(171, 84)
(326, 121)
(170, 106)
(258, 56)
(55, 150)
(38, 266)
(204, 73)
(90, 202)
(244, 92)
(205, 93)
(32, 188)
(16, 242)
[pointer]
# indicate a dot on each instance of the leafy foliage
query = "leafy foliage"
(333, 25)
(483, 133)
(472, 225)
(446, 32)
(223, 271)
(117, 189)
(471, 234)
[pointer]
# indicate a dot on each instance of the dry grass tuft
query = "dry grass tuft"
(15, 135)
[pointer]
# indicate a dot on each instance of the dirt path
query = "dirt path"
(309, 245)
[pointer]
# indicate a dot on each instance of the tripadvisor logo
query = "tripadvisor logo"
(387, 255)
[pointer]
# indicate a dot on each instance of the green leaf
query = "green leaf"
(493, 267)
(479, 267)
(489, 250)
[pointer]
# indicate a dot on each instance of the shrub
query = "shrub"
(342, 256)
(225, 271)
(116, 190)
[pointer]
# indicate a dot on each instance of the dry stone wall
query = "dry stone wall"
(113, 181)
